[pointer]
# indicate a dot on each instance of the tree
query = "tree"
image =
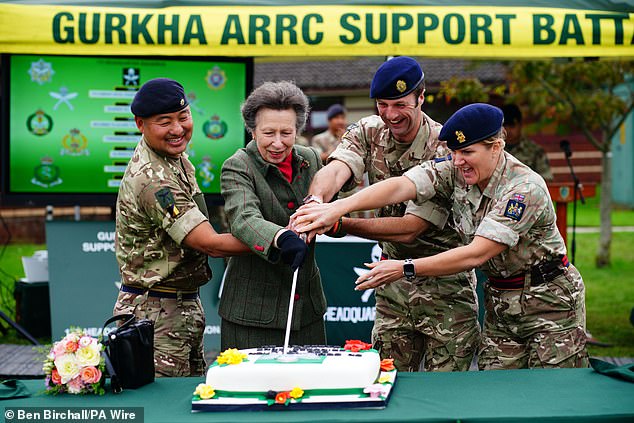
(595, 96)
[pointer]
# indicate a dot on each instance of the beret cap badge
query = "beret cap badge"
(182, 101)
(460, 136)
(401, 85)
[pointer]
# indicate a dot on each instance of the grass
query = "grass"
(609, 291)
(588, 213)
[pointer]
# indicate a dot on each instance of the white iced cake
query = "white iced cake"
(305, 377)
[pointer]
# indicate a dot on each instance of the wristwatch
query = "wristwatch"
(313, 198)
(408, 270)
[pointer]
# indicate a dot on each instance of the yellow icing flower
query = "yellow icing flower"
(296, 393)
(204, 391)
(231, 356)
(385, 378)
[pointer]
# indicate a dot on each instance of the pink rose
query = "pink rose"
(75, 385)
(90, 374)
(59, 349)
(55, 377)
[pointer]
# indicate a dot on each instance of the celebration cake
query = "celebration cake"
(306, 377)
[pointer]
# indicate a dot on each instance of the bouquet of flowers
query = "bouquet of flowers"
(75, 365)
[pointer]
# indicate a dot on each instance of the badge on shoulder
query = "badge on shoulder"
(514, 209)
(166, 199)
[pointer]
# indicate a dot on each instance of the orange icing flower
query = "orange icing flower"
(282, 397)
(354, 345)
(387, 364)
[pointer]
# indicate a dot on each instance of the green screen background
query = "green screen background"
(85, 172)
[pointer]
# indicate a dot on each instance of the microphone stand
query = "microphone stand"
(576, 192)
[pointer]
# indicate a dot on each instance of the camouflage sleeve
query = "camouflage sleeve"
(513, 214)
(433, 213)
(168, 206)
(353, 151)
(432, 178)
(243, 207)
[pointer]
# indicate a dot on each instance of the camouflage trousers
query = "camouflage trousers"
(178, 331)
(433, 320)
(538, 326)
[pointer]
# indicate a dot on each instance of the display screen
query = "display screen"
(70, 129)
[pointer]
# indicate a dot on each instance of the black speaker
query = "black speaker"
(32, 308)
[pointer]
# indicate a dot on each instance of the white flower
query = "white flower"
(67, 367)
(84, 341)
(89, 355)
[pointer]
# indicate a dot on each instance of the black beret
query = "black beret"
(160, 95)
(470, 124)
(334, 110)
(396, 78)
(512, 114)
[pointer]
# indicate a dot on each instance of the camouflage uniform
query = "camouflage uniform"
(159, 203)
(325, 141)
(434, 318)
(539, 324)
(532, 155)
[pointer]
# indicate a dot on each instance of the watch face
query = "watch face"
(408, 270)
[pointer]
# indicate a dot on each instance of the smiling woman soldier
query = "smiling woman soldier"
(534, 299)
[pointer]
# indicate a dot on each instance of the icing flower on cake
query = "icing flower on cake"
(204, 391)
(375, 391)
(354, 345)
(231, 356)
(386, 378)
(282, 397)
(387, 364)
(296, 393)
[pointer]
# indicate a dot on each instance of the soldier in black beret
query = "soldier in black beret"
(163, 235)
(534, 297)
(417, 323)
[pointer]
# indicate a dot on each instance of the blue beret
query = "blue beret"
(470, 124)
(160, 95)
(396, 78)
(334, 110)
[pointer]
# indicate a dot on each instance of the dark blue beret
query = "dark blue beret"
(334, 110)
(471, 124)
(160, 95)
(512, 114)
(396, 78)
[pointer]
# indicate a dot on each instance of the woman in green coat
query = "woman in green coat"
(263, 184)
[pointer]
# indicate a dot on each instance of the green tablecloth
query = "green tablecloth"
(548, 395)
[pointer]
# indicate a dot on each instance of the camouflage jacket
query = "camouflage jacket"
(368, 146)
(514, 209)
(155, 211)
(532, 155)
(325, 142)
(259, 202)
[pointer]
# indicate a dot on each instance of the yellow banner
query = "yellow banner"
(346, 30)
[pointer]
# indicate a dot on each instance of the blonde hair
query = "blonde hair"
(499, 137)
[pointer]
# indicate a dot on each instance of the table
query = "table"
(552, 395)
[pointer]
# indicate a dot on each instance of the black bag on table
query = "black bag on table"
(129, 352)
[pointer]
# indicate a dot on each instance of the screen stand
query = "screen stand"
(77, 213)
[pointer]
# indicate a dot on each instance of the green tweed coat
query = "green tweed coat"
(259, 202)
